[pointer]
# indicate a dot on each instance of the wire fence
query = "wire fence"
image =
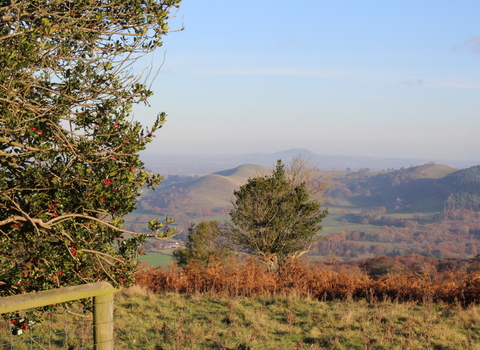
(62, 329)
(72, 327)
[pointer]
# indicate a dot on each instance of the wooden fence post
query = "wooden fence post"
(102, 293)
(103, 322)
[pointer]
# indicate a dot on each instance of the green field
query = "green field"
(156, 259)
(173, 321)
(147, 321)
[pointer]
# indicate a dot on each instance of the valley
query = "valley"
(430, 210)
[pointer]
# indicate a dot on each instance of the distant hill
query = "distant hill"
(216, 190)
(430, 171)
(416, 188)
(206, 196)
(202, 164)
(427, 188)
(244, 172)
(466, 180)
(464, 187)
(406, 175)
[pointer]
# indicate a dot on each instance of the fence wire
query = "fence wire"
(65, 328)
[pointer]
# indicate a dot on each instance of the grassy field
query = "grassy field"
(156, 259)
(173, 321)
(144, 320)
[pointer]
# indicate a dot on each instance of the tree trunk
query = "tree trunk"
(272, 263)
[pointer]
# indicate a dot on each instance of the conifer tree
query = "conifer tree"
(204, 243)
(274, 219)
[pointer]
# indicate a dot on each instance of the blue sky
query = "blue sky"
(361, 78)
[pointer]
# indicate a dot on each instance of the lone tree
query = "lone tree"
(204, 243)
(69, 165)
(303, 169)
(273, 219)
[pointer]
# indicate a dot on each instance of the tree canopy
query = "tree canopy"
(69, 164)
(274, 219)
(204, 243)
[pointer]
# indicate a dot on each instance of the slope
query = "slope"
(207, 196)
(417, 189)
(464, 187)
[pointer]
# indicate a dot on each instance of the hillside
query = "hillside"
(206, 196)
(456, 189)
(426, 171)
(464, 187)
(414, 186)
(242, 173)
(393, 212)
(465, 180)
(423, 189)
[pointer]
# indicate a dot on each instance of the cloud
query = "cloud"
(413, 82)
(472, 44)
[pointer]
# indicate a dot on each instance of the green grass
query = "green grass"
(332, 223)
(156, 259)
(434, 172)
(429, 205)
(331, 220)
(64, 329)
(173, 321)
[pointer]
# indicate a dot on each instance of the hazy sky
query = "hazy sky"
(363, 78)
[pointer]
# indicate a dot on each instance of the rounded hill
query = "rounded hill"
(206, 196)
(216, 190)
(242, 173)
